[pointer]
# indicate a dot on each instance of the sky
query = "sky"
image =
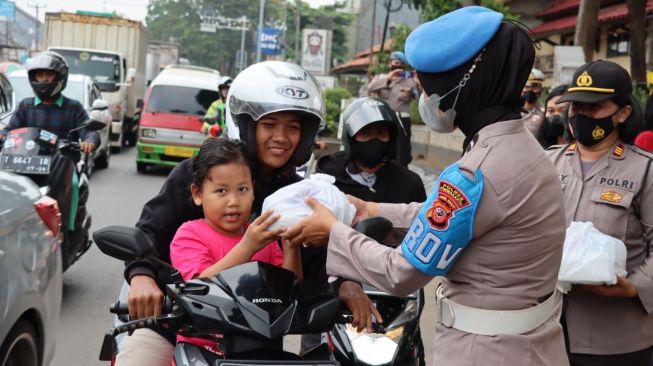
(133, 9)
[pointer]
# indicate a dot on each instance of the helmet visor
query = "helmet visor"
(366, 114)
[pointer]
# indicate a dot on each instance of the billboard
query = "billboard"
(7, 10)
(316, 50)
(270, 43)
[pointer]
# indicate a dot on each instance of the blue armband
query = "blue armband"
(445, 224)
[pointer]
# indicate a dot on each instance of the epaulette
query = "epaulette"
(640, 151)
(571, 149)
(618, 151)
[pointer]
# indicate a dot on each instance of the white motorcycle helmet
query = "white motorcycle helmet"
(275, 86)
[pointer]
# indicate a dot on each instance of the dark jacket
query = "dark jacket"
(164, 214)
(394, 182)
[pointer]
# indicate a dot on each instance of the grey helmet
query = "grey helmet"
(365, 111)
(51, 61)
(274, 86)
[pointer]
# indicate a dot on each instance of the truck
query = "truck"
(159, 55)
(112, 50)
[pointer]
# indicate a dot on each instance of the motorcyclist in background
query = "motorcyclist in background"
(49, 109)
(216, 112)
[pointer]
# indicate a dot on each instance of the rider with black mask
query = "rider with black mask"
(366, 169)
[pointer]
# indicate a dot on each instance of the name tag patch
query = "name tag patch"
(444, 225)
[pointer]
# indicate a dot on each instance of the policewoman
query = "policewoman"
(492, 226)
(608, 182)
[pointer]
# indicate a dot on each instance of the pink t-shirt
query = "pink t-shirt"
(197, 246)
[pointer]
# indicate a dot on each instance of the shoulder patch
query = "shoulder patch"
(445, 224)
(571, 148)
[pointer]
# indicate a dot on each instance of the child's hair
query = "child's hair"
(218, 151)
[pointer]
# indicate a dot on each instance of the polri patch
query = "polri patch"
(611, 196)
(450, 199)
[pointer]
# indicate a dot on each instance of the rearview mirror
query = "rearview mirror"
(122, 242)
(100, 105)
(94, 125)
(376, 228)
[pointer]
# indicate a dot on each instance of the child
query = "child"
(222, 186)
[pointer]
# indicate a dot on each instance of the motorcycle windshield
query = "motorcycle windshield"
(261, 289)
(28, 150)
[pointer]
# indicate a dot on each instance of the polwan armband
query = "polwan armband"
(445, 224)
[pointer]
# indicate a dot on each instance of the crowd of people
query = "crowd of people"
(492, 228)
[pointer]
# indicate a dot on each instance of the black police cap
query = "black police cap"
(598, 81)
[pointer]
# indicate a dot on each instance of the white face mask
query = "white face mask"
(435, 119)
(429, 107)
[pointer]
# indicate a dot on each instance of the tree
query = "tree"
(587, 26)
(637, 20)
(179, 20)
(432, 9)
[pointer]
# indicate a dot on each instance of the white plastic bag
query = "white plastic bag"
(591, 257)
(289, 201)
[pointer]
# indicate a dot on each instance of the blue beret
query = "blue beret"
(398, 55)
(452, 39)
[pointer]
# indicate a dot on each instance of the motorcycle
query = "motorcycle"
(56, 164)
(246, 309)
(397, 343)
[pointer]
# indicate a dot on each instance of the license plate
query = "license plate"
(26, 164)
(183, 152)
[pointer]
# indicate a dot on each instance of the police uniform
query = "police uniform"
(616, 195)
(511, 262)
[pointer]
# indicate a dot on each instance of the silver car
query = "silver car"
(83, 89)
(31, 272)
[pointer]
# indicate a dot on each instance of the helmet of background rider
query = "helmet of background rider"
(224, 82)
(51, 61)
(274, 86)
(366, 111)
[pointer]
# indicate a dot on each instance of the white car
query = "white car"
(83, 89)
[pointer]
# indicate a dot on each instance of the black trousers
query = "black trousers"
(637, 358)
(403, 144)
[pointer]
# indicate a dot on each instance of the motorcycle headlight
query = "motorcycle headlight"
(149, 133)
(374, 348)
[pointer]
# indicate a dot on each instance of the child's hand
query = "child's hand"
(258, 236)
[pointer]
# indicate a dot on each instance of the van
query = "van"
(171, 120)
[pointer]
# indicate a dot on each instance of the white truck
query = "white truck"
(159, 55)
(112, 50)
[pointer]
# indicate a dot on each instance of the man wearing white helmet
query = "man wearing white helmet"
(531, 91)
(278, 108)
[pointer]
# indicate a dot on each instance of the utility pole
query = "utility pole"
(37, 6)
(388, 8)
(259, 34)
(372, 32)
(298, 36)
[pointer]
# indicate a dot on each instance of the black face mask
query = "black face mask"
(590, 131)
(370, 153)
(530, 96)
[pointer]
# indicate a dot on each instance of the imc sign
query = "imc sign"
(316, 50)
(270, 41)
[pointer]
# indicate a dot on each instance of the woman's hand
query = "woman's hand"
(352, 295)
(364, 210)
(258, 236)
(623, 288)
(313, 230)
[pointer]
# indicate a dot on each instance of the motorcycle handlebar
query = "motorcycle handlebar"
(122, 307)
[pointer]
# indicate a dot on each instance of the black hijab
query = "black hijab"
(493, 90)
